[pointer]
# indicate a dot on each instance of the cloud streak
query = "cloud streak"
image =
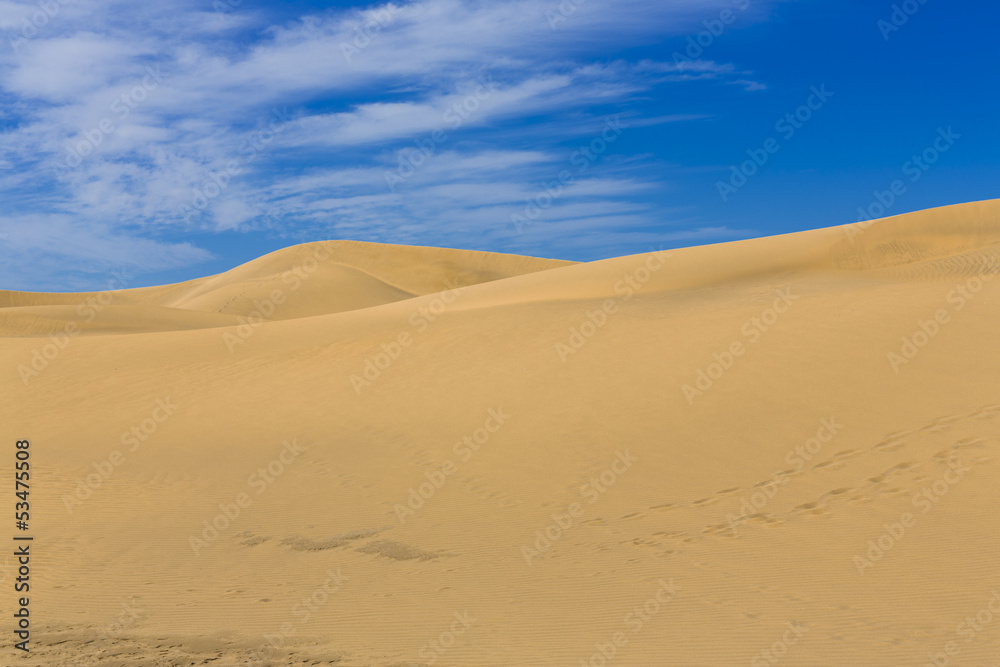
(115, 116)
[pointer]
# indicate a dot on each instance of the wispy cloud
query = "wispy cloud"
(116, 116)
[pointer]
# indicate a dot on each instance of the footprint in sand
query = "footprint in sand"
(939, 424)
(398, 551)
(335, 542)
(986, 413)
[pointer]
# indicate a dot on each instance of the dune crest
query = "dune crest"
(774, 451)
(301, 281)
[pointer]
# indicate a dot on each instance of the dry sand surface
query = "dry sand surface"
(774, 451)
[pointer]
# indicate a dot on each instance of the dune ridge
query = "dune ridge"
(773, 451)
(311, 279)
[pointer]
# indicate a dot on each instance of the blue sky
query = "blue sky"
(167, 141)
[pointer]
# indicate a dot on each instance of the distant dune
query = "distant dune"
(774, 451)
(314, 279)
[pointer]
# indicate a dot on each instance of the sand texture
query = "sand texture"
(774, 451)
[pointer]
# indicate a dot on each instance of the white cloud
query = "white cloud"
(222, 73)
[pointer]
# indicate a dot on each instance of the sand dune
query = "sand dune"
(310, 279)
(774, 451)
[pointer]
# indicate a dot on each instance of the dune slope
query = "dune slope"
(775, 451)
(300, 281)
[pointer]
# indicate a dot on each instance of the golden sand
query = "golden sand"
(774, 451)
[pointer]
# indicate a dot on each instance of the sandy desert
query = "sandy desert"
(773, 451)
